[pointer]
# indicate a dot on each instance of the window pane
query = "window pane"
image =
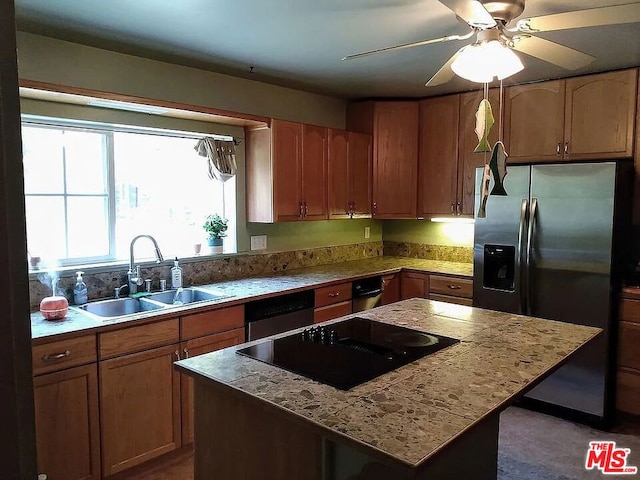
(88, 226)
(85, 165)
(42, 160)
(162, 189)
(45, 227)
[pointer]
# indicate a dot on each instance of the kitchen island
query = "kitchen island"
(435, 418)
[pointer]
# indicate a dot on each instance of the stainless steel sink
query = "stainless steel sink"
(183, 296)
(119, 307)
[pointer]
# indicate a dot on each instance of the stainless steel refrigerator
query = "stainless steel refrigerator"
(553, 248)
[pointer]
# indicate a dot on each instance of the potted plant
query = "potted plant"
(216, 227)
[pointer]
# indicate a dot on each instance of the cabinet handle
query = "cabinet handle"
(558, 148)
(177, 354)
(334, 294)
(47, 357)
(454, 287)
(301, 215)
(352, 208)
(375, 208)
(566, 148)
(458, 208)
(453, 209)
(306, 209)
(186, 352)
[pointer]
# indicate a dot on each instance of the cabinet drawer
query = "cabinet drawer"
(628, 391)
(457, 287)
(331, 311)
(629, 339)
(333, 294)
(135, 339)
(448, 298)
(63, 354)
(214, 321)
(630, 310)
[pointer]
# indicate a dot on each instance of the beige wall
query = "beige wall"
(424, 231)
(56, 61)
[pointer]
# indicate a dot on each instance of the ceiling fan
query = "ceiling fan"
(492, 53)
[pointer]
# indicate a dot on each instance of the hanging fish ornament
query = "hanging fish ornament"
(498, 166)
(484, 122)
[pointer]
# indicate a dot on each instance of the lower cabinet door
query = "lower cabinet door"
(414, 284)
(67, 426)
(192, 348)
(140, 408)
(390, 288)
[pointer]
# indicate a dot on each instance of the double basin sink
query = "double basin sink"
(121, 307)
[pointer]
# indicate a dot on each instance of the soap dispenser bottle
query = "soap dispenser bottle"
(80, 290)
(176, 275)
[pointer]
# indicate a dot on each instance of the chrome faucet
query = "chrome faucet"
(133, 275)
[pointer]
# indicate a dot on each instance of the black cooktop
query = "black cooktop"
(347, 353)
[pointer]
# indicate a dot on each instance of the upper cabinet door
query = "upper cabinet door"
(438, 156)
(314, 172)
(287, 152)
(600, 115)
(534, 122)
(360, 170)
(468, 140)
(395, 161)
(338, 168)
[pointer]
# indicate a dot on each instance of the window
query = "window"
(89, 189)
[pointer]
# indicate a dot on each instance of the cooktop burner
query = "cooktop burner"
(347, 353)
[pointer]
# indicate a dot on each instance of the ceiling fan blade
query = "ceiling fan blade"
(551, 52)
(410, 45)
(445, 73)
(471, 11)
(593, 17)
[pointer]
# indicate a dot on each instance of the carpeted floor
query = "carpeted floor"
(534, 446)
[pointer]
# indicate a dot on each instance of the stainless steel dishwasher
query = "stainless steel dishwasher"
(278, 314)
(366, 293)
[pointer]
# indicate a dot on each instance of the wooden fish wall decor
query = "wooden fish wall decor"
(484, 122)
(498, 166)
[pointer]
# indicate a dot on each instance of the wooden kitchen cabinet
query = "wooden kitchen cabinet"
(390, 288)
(139, 394)
(67, 423)
(394, 128)
(192, 348)
(451, 289)
(332, 302)
(286, 177)
(438, 156)
(591, 117)
(628, 373)
(414, 284)
(349, 170)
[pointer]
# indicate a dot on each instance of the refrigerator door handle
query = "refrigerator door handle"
(530, 233)
(524, 207)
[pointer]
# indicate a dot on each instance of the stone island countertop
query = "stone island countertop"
(252, 288)
(409, 415)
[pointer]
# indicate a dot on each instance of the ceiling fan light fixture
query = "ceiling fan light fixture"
(486, 60)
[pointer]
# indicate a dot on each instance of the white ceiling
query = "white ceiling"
(300, 43)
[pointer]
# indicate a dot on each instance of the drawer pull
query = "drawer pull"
(454, 287)
(47, 357)
(334, 294)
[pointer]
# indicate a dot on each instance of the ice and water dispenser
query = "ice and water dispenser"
(499, 267)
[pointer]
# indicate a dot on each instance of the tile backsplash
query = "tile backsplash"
(429, 252)
(208, 270)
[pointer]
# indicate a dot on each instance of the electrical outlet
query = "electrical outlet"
(367, 232)
(258, 242)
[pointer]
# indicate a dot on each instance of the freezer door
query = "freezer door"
(569, 280)
(498, 243)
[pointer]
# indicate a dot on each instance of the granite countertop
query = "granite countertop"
(408, 415)
(632, 293)
(252, 288)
